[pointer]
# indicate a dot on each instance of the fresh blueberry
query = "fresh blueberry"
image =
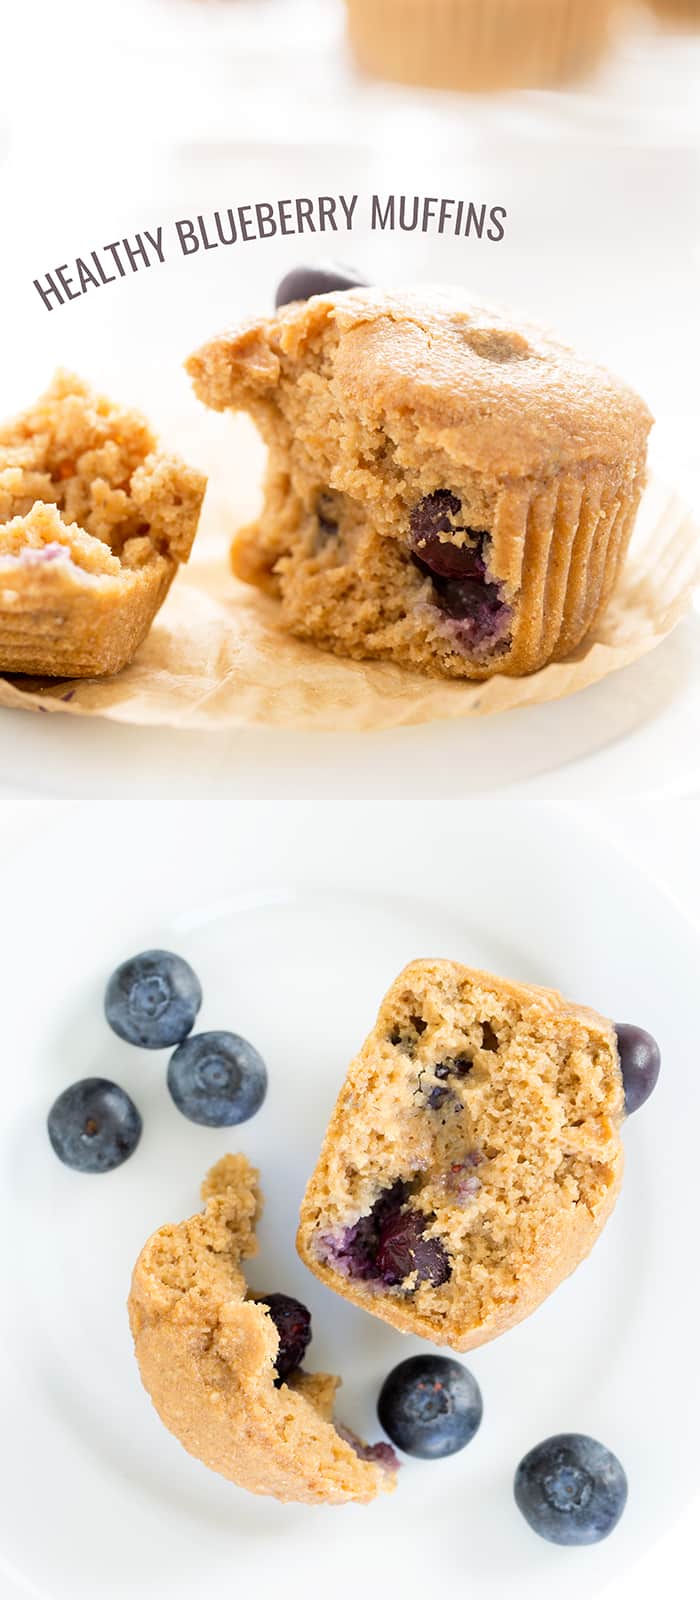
(303, 282)
(571, 1489)
(217, 1079)
(430, 1406)
(293, 1324)
(640, 1062)
(94, 1125)
(153, 999)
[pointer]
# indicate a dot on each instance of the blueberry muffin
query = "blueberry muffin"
(209, 1359)
(478, 44)
(680, 11)
(446, 489)
(472, 1158)
(94, 522)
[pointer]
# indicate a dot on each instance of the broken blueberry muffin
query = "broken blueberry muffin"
(94, 522)
(445, 489)
(222, 1369)
(472, 1158)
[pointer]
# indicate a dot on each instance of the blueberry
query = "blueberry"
(640, 1062)
(303, 282)
(403, 1251)
(217, 1079)
(434, 515)
(472, 600)
(153, 999)
(293, 1324)
(94, 1125)
(388, 1244)
(430, 1406)
(571, 1490)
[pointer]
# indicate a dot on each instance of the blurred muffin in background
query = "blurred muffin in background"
(681, 11)
(479, 44)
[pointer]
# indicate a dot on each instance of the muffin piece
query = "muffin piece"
(472, 1158)
(94, 522)
(445, 490)
(478, 44)
(207, 1358)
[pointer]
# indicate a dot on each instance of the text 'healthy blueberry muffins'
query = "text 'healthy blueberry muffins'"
(478, 44)
(207, 1358)
(446, 490)
(472, 1158)
(94, 521)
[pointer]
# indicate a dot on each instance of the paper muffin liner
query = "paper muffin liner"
(478, 44)
(217, 657)
(570, 539)
(79, 628)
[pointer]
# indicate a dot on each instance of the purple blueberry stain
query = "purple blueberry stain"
(388, 1245)
(40, 555)
(463, 592)
(438, 1096)
(382, 1454)
(404, 1252)
(460, 1182)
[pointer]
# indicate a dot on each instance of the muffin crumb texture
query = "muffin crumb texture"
(206, 1352)
(94, 521)
(472, 1158)
(445, 490)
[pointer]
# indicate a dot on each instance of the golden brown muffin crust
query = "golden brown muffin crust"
(206, 1355)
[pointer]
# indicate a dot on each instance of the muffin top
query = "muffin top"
(498, 393)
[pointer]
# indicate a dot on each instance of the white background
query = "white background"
(659, 838)
(114, 118)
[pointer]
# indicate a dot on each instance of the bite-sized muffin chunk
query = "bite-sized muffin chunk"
(94, 521)
(472, 1158)
(446, 489)
(222, 1369)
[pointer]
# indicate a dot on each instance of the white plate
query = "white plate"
(296, 919)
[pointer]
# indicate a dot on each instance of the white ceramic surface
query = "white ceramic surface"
(296, 920)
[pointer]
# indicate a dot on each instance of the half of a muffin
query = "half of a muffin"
(95, 520)
(207, 1354)
(473, 1156)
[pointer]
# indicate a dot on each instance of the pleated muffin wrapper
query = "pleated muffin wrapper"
(560, 547)
(217, 656)
(76, 623)
(478, 44)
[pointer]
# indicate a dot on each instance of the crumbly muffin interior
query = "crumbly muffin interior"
(37, 540)
(358, 513)
(470, 1130)
(97, 465)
